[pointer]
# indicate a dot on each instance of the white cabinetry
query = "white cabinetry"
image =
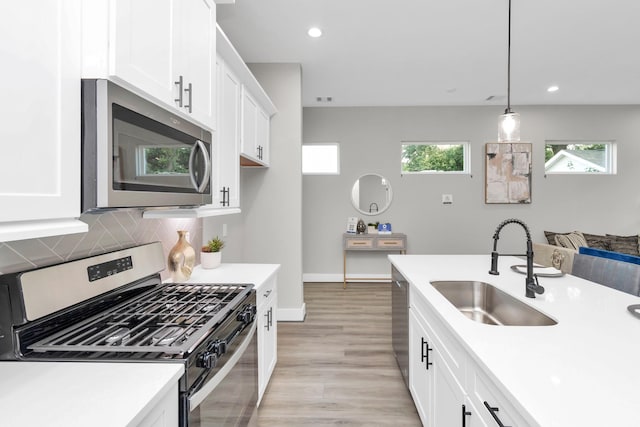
(226, 179)
(267, 301)
(163, 49)
(40, 132)
(438, 395)
(165, 413)
(255, 110)
(255, 131)
(447, 388)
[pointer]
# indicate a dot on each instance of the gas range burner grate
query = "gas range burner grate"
(172, 318)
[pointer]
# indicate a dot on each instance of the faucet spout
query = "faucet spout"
(532, 287)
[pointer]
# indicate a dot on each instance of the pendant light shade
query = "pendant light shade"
(509, 123)
(509, 127)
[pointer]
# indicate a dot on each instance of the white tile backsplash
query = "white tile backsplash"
(108, 231)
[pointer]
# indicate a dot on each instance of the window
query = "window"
(321, 159)
(163, 160)
(435, 157)
(584, 157)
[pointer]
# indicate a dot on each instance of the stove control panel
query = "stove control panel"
(109, 268)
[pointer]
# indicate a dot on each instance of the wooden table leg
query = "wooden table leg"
(344, 269)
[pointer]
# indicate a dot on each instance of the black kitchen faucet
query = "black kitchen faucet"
(532, 287)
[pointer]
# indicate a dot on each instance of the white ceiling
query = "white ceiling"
(446, 52)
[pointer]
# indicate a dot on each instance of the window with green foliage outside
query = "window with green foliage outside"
(571, 157)
(166, 160)
(435, 157)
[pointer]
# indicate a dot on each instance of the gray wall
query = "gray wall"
(370, 141)
(271, 199)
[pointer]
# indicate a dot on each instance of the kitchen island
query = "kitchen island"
(81, 394)
(582, 371)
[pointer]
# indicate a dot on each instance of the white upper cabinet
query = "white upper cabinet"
(226, 178)
(255, 131)
(163, 49)
(40, 132)
(256, 108)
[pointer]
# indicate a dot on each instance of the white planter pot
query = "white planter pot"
(210, 259)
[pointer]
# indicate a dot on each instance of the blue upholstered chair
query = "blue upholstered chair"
(620, 275)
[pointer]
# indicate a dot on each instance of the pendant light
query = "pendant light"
(509, 123)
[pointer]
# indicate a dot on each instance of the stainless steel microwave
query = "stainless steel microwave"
(138, 154)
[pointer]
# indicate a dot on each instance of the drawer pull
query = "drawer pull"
(493, 411)
(266, 294)
(464, 415)
(424, 355)
(359, 243)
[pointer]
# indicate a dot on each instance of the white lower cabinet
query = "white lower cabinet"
(438, 395)
(448, 387)
(165, 413)
(267, 301)
(494, 407)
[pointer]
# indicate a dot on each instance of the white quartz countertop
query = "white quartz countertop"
(70, 394)
(257, 274)
(584, 371)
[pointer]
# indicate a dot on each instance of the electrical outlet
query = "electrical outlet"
(224, 230)
(447, 199)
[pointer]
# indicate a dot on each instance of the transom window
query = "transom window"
(321, 159)
(580, 157)
(435, 157)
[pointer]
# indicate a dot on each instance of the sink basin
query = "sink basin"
(484, 303)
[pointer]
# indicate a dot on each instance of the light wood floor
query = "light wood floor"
(337, 367)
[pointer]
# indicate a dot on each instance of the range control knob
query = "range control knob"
(218, 347)
(206, 360)
(247, 314)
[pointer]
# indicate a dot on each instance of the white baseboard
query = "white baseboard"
(368, 277)
(292, 314)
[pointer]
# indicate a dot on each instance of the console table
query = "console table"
(370, 242)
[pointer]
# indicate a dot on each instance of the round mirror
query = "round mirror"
(371, 194)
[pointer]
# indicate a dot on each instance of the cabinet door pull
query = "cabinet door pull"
(493, 411)
(424, 355)
(189, 90)
(465, 413)
(179, 83)
(267, 321)
(271, 316)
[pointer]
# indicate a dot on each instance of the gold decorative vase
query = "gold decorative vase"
(182, 258)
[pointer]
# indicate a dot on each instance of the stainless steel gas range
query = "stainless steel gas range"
(114, 307)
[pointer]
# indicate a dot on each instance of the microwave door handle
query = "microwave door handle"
(207, 166)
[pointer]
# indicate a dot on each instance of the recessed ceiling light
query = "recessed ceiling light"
(314, 32)
(552, 88)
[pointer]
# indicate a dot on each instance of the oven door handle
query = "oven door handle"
(199, 146)
(201, 394)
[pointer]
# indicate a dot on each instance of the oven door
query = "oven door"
(230, 397)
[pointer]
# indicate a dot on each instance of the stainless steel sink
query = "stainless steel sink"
(484, 303)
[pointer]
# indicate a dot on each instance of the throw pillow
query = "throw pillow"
(624, 244)
(598, 242)
(571, 240)
(551, 237)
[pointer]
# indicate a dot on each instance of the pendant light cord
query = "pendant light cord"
(508, 110)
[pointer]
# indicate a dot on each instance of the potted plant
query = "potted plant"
(372, 227)
(211, 255)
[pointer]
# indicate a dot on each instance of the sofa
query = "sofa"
(610, 260)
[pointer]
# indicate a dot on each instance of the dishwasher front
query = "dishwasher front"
(400, 322)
